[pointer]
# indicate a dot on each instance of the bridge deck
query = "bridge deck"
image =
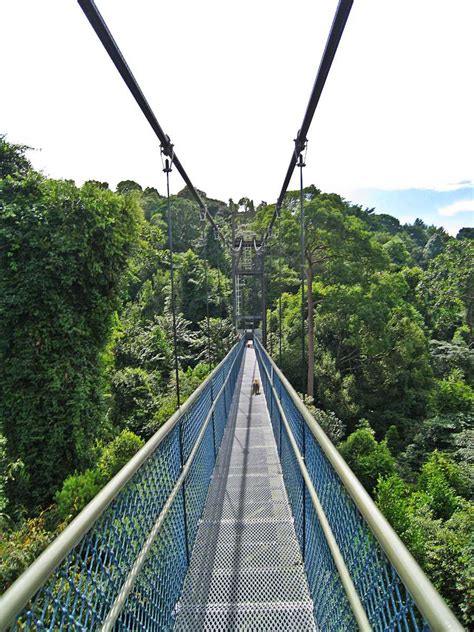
(246, 570)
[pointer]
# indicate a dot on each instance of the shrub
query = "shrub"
(76, 492)
(452, 395)
(442, 480)
(368, 458)
(19, 548)
(118, 453)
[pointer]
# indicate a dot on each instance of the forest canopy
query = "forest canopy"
(87, 365)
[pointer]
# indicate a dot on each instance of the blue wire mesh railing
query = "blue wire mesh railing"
(85, 586)
(384, 597)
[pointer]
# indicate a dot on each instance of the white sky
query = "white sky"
(229, 82)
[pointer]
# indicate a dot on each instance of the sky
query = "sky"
(229, 83)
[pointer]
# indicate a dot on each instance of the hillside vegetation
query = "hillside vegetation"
(87, 365)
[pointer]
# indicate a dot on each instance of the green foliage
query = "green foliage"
(446, 290)
(222, 337)
(143, 343)
(13, 162)
(446, 356)
(332, 426)
(63, 252)
(118, 453)
(446, 433)
(398, 252)
(443, 481)
(371, 353)
(3, 477)
(434, 246)
(77, 490)
(189, 380)
(452, 395)
(392, 495)
(392, 439)
(126, 186)
(368, 459)
(86, 347)
(9, 471)
(80, 488)
(133, 393)
(465, 233)
(20, 547)
(437, 527)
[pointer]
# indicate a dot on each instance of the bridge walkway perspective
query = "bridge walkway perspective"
(246, 569)
(239, 513)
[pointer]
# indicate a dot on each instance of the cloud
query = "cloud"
(462, 206)
(426, 185)
(453, 186)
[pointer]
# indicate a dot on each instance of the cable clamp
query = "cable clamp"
(300, 146)
(167, 150)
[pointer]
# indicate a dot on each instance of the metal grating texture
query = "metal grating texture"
(387, 602)
(246, 570)
(83, 588)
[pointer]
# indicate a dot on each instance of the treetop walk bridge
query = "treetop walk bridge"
(238, 514)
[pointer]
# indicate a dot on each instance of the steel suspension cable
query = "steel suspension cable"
(206, 276)
(219, 292)
(100, 27)
(342, 13)
(301, 164)
(167, 170)
(280, 287)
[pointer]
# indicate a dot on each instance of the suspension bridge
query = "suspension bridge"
(239, 513)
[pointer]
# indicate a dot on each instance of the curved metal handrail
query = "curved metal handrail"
(34, 577)
(430, 603)
(346, 579)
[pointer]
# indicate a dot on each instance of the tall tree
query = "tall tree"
(338, 248)
(63, 251)
(447, 289)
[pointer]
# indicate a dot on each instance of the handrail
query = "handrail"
(428, 600)
(25, 587)
(132, 576)
(346, 580)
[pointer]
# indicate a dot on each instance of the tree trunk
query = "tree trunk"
(309, 292)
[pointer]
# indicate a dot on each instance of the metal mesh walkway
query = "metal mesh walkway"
(246, 570)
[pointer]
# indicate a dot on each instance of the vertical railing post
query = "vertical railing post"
(213, 420)
(304, 490)
(271, 394)
(185, 513)
(226, 412)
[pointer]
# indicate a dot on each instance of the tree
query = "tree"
(443, 547)
(13, 161)
(368, 459)
(446, 356)
(63, 254)
(98, 184)
(337, 246)
(397, 251)
(465, 233)
(222, 336)
(134, 398)
(126, 186)
(446, 433)
(434, 246)
(452, 395)
(447, 290)
(371, 353)
(443, 481)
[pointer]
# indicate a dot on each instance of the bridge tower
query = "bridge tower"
(248, 271)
